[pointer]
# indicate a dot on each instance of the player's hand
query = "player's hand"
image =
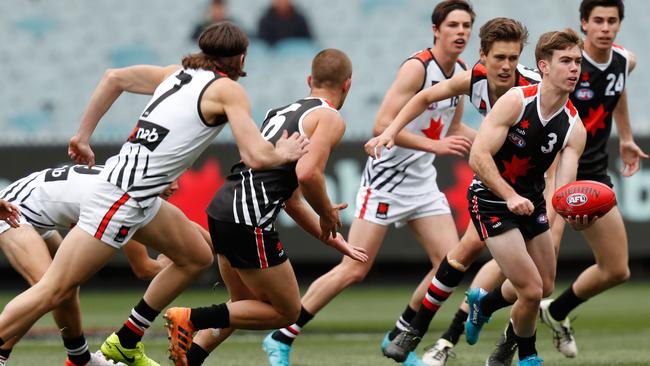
(631, 154)
(374, 146)
(291, 148)
(330, 222)
(356, 253)
(520, 205)
(452, 145)
(9, 213)
(580, 222)
(80, 152)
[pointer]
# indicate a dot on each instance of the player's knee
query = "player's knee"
(290, 314)
(532, 292)
(548, 289)
(618, 275)
(355, 275)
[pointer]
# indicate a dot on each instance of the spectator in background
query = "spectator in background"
(216, 13)
(282, 20)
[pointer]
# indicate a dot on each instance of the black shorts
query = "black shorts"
(601, 177)
(246, 246)
(491, 216)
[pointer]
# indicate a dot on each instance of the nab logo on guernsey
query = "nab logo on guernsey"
(382, 210)
(576, 199)
(148, 134)
(542, 218)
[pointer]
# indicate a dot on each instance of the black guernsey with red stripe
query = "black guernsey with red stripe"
(527, 152)
(524, 76)
(255, 197)
(595, 97)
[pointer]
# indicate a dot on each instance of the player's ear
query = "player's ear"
(347, 85)
(583, 25)
(542, 65)
(482, 56)
(309, 82)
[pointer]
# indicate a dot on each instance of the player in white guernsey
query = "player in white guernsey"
(502, 41)
(50, 202)
(189, 106)
(401, 188)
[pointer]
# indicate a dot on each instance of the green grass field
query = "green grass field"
(613, 329)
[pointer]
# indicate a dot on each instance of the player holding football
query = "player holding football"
(502, 41)
(600, 95)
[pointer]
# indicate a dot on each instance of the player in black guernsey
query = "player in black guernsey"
(600, 98)
(517, 142)
(253, 263)
(502, 41)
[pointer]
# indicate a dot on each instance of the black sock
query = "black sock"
(5, 353)
(288, 335)
(404, 321)
(456, 328)
(77, 350)
(493, 301)
(142, 315)
(215, 316)
(562, 306)
(196, 355)
(526, 345)
(1, 342)
(440, 288)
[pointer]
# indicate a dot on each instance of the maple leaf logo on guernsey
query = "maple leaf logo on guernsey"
(515, 168)
(524, 124)
(434, 130)
(595, 120)
(494, 219)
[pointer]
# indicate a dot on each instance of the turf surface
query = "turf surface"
(612, 329)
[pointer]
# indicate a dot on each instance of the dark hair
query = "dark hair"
(586, 6)
(443, 9)
(330, 68)
(553, 41)
(222, 45)
(503, 30)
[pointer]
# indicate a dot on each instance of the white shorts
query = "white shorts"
(112, 216)
(387, 208)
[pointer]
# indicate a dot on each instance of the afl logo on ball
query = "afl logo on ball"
(576, 199)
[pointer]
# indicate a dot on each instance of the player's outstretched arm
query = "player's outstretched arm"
(227, 96)
(630, 152)
(490, 138)
(306, 219)
(142, 79)
(9, 213)
(325, 129)
(144, 267)
(457, 85)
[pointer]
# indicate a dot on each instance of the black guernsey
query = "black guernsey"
(596, 96)
(530, 147)
(255, 197)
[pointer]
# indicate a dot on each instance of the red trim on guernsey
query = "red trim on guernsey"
(362, 213)
(424, 55)
(133, 328)
(572, 109)
(260, 248)
(479, 70)
(530, 91)
(329, 103)
(109, 215)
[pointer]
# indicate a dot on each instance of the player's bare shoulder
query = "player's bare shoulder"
(329, 118)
